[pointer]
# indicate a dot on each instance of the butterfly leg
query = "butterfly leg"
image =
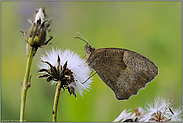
(91, 73)
(84, 56)
(89, 77)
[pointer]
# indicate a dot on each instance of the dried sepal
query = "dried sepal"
(46, 43)
(71, 90)
(59, 68)
(49, 79)
(64, 68)
(52, 68)
(44, 70)
(43, 76)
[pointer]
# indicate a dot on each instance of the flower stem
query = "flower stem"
(57, 94)
(26, 84)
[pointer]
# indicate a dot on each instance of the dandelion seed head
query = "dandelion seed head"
(163, 107)
(77, 65)
(161, 110)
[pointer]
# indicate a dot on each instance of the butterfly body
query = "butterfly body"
(124, 71)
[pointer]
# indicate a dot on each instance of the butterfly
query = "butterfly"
(122, 70)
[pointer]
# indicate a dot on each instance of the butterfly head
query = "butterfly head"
(88, 48)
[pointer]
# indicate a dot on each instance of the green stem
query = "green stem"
(26, 84)
(57, 94)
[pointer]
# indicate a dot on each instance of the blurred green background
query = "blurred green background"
(152, 29)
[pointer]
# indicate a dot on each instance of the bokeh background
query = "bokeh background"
(152, 29)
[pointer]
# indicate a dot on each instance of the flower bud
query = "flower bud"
(36, 36)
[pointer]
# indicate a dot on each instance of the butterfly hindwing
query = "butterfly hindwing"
(124, 71)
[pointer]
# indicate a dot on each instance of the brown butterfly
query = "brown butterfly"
(124, 71)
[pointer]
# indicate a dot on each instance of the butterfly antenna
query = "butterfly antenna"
(85, 40)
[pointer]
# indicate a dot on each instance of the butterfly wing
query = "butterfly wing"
(124, 71)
